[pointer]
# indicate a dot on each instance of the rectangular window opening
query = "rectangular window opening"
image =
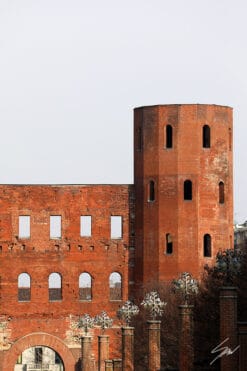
(169, 244)
(116, 227)
(24, 226)
(55, 226)
(86, 226)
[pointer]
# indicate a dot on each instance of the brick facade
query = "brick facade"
(162, 235)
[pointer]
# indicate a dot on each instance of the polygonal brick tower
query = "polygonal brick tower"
(183, 185)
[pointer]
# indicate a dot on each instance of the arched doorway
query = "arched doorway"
(39, 358)
(35, 340)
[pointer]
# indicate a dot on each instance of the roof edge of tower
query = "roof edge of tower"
(182, 104)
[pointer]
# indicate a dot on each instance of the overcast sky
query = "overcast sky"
(71, 72)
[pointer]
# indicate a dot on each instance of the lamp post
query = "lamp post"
(187, 286)
(86, 322)
(126, 312)
(104, 321)
(155, 306)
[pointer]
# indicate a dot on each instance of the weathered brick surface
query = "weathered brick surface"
(71, 255)
(186, 221)
(139, 256)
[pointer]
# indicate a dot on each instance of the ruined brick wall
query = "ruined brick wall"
(175, 218)
(70, 255)
(171, 147)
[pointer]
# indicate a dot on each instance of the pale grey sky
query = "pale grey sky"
(71, 72)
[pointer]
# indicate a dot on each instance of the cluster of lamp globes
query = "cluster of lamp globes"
(152, 303)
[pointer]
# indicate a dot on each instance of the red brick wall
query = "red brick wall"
(139, 256)
(70, 256)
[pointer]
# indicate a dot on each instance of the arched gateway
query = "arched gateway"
(42, 339)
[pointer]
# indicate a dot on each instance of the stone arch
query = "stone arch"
(34, 339)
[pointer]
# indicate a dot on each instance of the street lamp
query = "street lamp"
(86, 322)
(127, 311)
(186, 285)
(153, 304)
(103, 320)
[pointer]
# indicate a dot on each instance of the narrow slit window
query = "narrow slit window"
(187, 190)
(169, 136)
(24, 226)
(139, 139)
(85, 286)
(55, 287)
(207, 246)
(230, 138)
(24, 287)
(151, 193)
(86, 226)
(221, 193)
(169, 244)
(206, 136)
(55, 226)
(115, 282)
(116, 227)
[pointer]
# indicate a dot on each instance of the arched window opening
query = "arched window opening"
(169, 244)
(24, 287)
(115, 282)
(207, 245)
(206, 136)
(55, 287)
(221, 192)
(168, 136)
(151, 191)
(187, 190)
(85, 286)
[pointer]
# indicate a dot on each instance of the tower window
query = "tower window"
(221, 193)
(168, 136)
(24, 287)
(207, 245)
(55, 287)
(169, 244)
(139, 139)
(206, 136)
(230, 138)
(187, 190)
(115, 282)
(151, 191)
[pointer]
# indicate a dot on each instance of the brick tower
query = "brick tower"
(183, 185)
